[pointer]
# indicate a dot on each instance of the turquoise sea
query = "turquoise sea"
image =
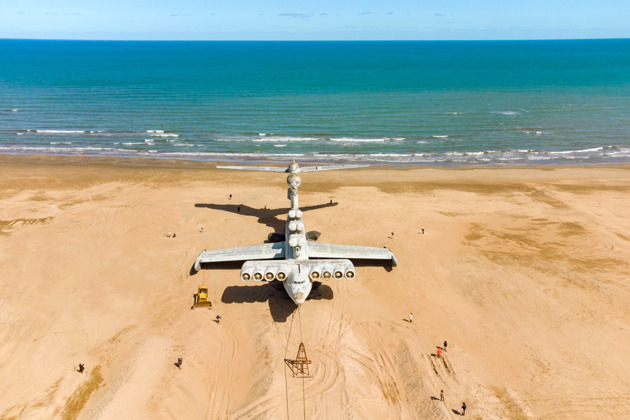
(421, 103)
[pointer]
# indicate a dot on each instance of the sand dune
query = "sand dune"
(524, 271)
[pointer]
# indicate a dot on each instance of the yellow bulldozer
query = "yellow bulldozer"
(201, 298)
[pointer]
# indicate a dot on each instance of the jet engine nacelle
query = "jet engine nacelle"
(296, 227)
(246, 275)
(331, 269)
(264, 270)
(295, 214)
(279, 270)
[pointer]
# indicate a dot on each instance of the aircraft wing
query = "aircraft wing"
(255, 252)
(351, 252)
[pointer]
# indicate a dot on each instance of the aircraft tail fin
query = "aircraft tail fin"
(281, 169)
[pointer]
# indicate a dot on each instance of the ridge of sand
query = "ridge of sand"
(523, 270)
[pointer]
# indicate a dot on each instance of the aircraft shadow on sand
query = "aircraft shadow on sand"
(280, 305)
(267, 217)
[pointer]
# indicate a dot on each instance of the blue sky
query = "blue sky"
(314, 20)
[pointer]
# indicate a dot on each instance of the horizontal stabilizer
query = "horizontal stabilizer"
(255, 168)
(331, 167)
(281, 169)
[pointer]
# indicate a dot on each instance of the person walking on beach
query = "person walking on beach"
(442, 395)
(463, 408)
(218, 319)
(230, 197)
(445, 344)
(179, 363)
(81, 367)
(439, 352)
(410, 317)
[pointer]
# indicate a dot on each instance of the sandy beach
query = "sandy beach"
(524, 271)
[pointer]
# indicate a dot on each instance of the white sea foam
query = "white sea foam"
(568, 152)
(507, 112)
(161, 133)
(60, 142)
(359, 140)
(594, 149)
(47, 149)
(14, 110)
(283, 139)
(440, 137)
(58, 131)
(607, 154)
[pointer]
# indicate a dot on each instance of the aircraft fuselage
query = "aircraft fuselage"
(296, 262)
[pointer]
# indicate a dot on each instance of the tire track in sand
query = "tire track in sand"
(220, 387)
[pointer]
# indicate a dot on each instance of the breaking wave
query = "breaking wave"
(604, 154)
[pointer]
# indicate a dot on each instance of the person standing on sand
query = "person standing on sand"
(445, 344)
(442, 395)
(410, 317)
(179, 363)
(439, 352)
(81, 368)
(463, 408)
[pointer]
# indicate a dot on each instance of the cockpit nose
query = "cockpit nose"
(299, 298)
(298, 286)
